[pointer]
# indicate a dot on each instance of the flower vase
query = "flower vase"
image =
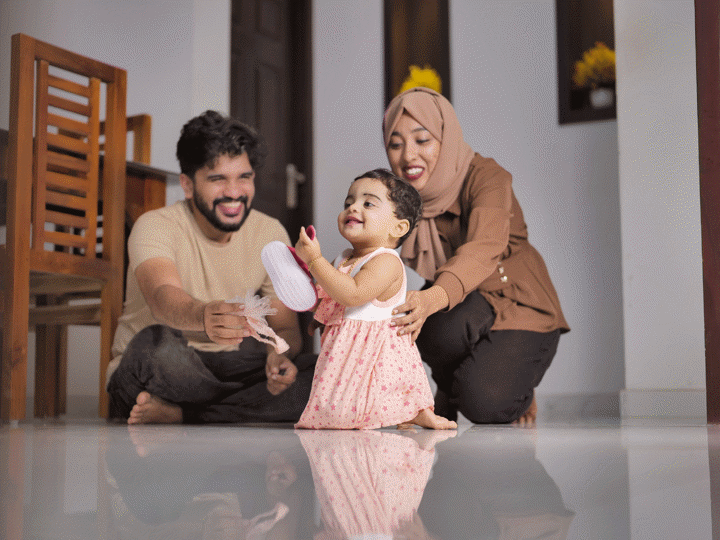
(601, 97)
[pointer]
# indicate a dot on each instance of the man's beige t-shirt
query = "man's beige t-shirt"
(208, 270)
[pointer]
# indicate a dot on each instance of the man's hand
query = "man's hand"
(280, 372)
(222, 323)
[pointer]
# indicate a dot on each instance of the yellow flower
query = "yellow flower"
(597, 67)
(426, 77)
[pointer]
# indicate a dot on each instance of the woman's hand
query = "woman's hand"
(308, 250)
(418, 306)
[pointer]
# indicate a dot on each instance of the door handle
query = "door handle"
(293, 179)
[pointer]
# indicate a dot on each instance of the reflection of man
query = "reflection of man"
(181, 352)
(159, 492)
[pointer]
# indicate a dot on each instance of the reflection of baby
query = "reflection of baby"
(369, 483)
(367, 376)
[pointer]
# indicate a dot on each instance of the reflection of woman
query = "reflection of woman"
(490, 316)
(507, 494)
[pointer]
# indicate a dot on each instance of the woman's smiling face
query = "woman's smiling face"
(412, 151)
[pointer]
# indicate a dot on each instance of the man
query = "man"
(182, 353)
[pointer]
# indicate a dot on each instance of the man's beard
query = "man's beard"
(212, 217)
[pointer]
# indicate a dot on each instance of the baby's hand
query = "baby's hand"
(307, 249)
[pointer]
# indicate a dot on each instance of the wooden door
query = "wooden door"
(271, 91)
(707, 44)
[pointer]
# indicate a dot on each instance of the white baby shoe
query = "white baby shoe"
(293, 284)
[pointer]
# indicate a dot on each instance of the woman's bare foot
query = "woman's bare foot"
(530, 416)
(149, 409)
(428, 419)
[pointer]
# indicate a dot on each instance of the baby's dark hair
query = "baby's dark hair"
(207, 137)
(406, 199)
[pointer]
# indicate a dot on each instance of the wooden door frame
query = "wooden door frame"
(707, 50)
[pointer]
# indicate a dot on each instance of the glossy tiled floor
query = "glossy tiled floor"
(609, 480)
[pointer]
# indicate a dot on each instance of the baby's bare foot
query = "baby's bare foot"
(428, 419)
(426, 439)
(149, 409)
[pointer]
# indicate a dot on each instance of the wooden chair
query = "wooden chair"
(54, 185)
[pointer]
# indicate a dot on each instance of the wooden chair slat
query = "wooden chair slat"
(67, 163)
(68, 201)
(67, 183)
(66, 239)
(68, 105)
(66, 220)
(72, 144)
(65, 124)
(68, 86)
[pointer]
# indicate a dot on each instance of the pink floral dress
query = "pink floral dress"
(366, 376)
(369, 483)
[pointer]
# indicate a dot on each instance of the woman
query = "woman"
(490, 317)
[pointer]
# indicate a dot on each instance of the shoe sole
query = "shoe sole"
(292, 285)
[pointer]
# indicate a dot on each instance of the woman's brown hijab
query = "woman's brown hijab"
(422, 250)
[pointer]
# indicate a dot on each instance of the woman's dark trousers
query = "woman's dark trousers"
(489, 376)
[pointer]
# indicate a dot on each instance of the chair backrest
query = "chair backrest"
(54, 142)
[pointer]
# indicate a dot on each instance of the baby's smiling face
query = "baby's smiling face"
(368, 218)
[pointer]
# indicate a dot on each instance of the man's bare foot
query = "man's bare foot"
(149, 409)
(147, 440)
(428, 419)
(530, 416)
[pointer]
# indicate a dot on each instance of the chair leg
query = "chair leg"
(50, 366)
(13, 370)
(111, 298)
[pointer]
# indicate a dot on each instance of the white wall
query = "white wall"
(348, 105)
(659, 193)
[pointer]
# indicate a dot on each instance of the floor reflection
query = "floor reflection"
(493, 487)
(370, 483)
(164, 484)
(93, 480)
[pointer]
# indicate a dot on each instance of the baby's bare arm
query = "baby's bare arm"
(380, 277)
